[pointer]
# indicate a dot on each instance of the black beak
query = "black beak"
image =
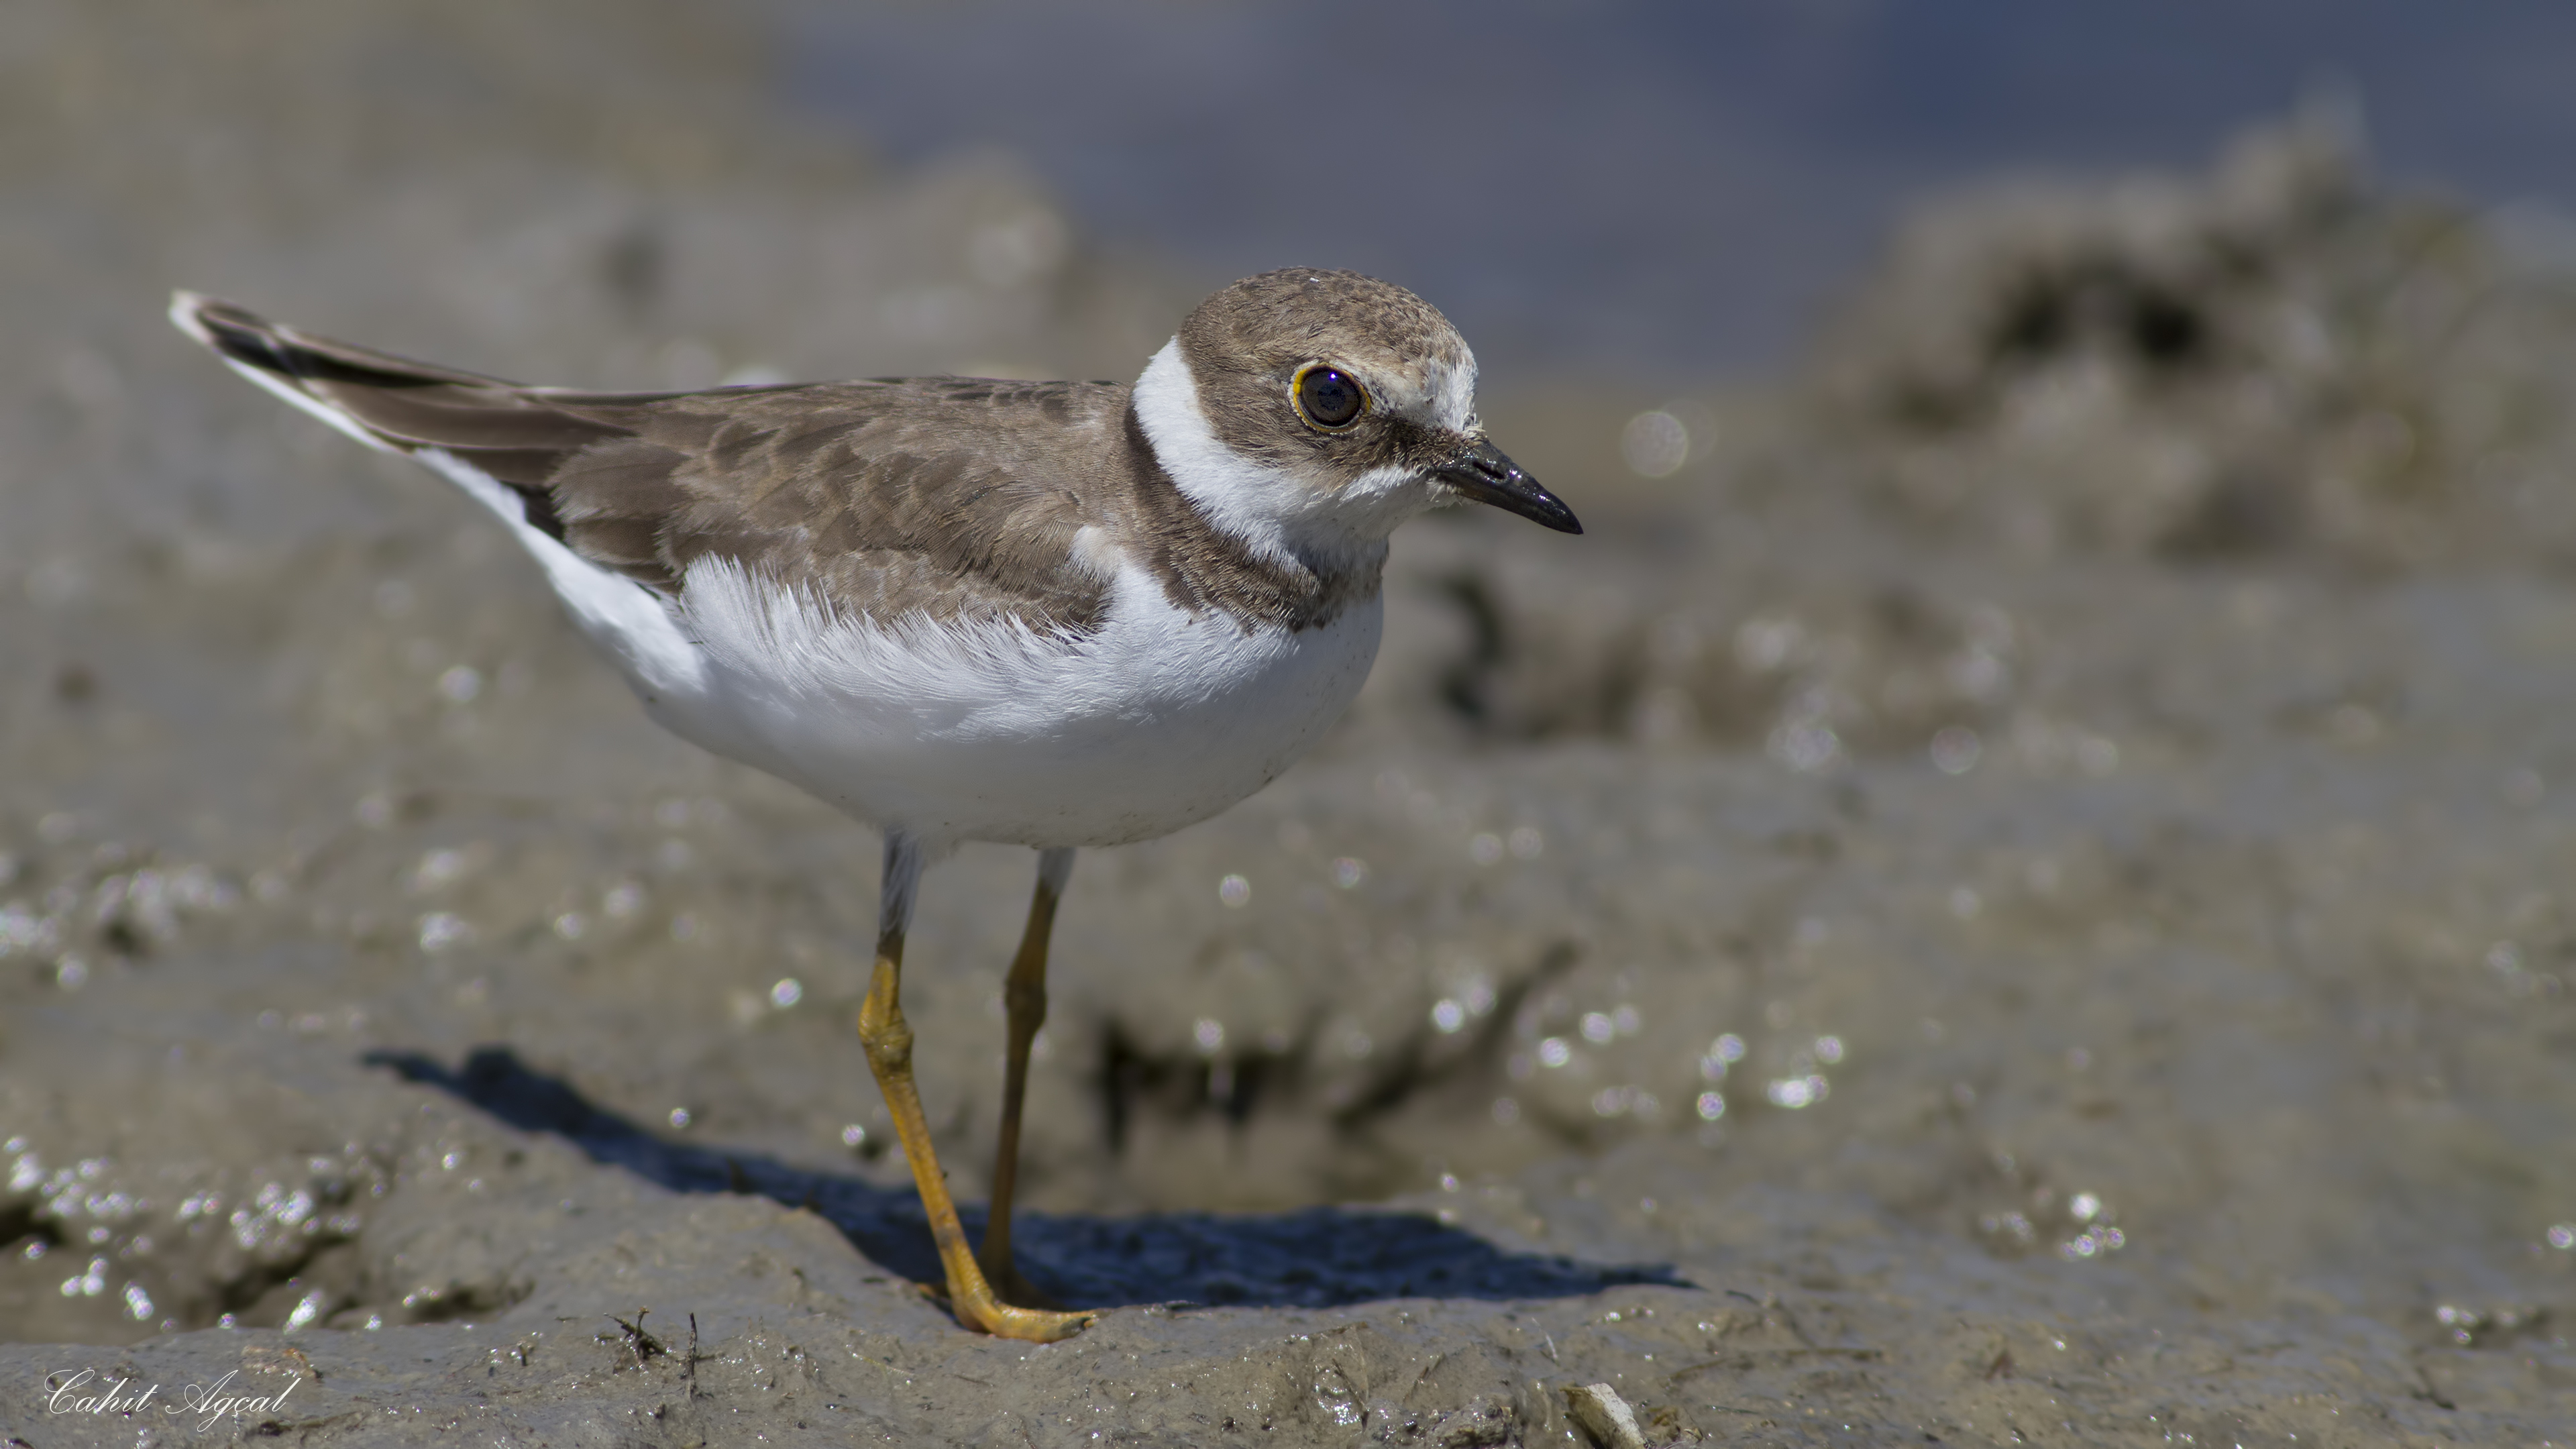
(1485, 475)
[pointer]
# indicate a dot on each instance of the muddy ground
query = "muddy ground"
(2012, 889)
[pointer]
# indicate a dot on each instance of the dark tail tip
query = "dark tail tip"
(232, 332)
(246, 337)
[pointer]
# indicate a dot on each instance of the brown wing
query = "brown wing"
(953, 496)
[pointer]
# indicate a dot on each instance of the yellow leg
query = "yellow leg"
(1026, 996)
(889, 1045)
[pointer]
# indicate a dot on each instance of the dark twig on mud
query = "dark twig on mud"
(634, 1339)
(689, 1366)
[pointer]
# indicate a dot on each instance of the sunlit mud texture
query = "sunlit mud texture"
(2014, 887)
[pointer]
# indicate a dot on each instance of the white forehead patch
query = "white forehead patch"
(1450, 392)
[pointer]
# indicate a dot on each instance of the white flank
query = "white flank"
(1096, 552)
(995, 731)
(620, 615)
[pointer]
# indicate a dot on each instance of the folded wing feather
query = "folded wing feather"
(946, 497)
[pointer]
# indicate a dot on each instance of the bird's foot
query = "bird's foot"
(1030, 1325)
(1011, 1320)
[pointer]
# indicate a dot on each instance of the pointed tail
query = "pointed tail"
(515, 435)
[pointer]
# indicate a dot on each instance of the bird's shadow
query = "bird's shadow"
(1318, 1257)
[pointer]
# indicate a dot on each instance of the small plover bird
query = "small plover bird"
(1048, 614)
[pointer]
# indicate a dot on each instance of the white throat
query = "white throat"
(1280, 513)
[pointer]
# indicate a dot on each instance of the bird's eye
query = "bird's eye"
(1328, 397)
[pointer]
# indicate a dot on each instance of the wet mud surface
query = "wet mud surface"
(2015, 891)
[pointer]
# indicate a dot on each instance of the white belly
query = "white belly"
(1157, 721)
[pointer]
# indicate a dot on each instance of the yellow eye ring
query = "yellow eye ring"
(1327, 398)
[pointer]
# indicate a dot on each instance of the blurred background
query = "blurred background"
(1644, 191)
(2053, 747)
